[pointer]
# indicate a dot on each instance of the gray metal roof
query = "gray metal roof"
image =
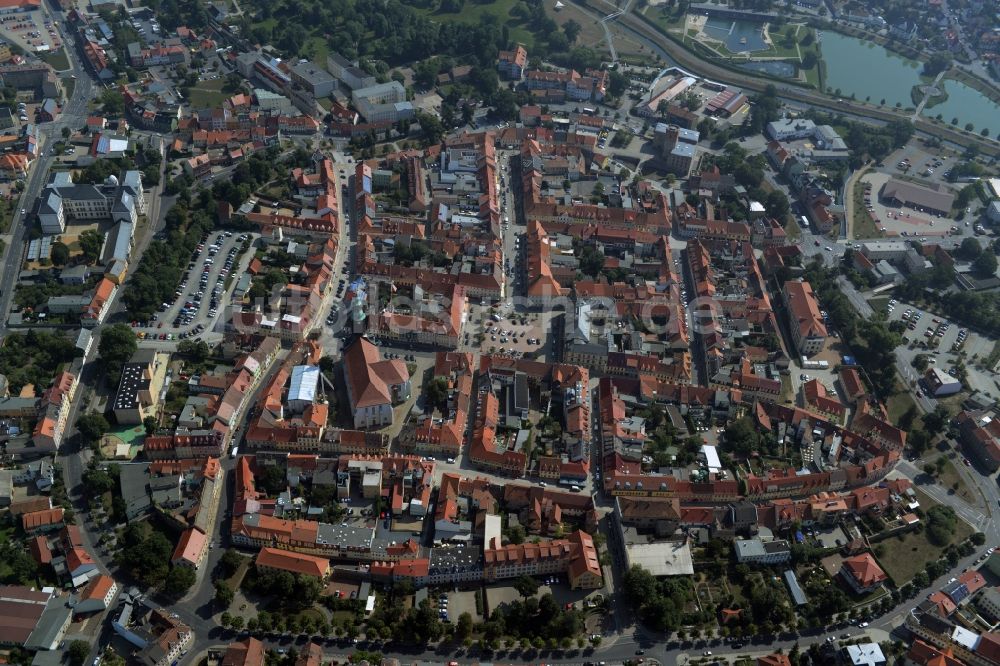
(798, 596)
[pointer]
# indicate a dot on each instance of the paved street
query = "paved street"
(74, 115)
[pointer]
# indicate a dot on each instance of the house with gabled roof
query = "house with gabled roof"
(862, 573)
(373, 385)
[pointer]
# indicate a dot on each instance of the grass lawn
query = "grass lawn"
(208, 94)
(6, 214)
(57, 59)
(949, 477)
(236, 580)
(812, 76)
(501, 9)
(907, 555)
(786, 388)
(665, 19)
(313, 614)
(862, 226)
(316, 50)
(341, 617)
(878, 303)
(778, 47)
(899, 403)
(792, 229)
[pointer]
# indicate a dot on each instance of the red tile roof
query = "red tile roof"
(299, 563)
(865, 570)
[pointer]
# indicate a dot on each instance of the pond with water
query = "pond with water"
(772, 67)
(867, 70)
(870, 72)
(969, 106)
(738, 36)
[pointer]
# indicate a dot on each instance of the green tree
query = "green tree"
(516, 534)
(463, 628)
(969, 249)
(178, 582)
(223, 593)
(935, 421)
(617, 83)
(117, 346)
(112, 101)
(150, 424)
(230, 562)
(526, 586)
(59, 253)
(432, 128)
(937, 63)
(572, 30)
(145, 556)
(92, 426)
(985, 265)
(941, 524)
(327, 364)
(91, 242)
(741, 436)
(591, 260)
(437, 393)
(78, 652)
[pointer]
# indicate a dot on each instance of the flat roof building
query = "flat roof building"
(302, 387)
(662, 558)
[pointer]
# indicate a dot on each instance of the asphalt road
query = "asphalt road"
(74, 115)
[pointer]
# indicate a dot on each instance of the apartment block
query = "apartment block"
(804, 318)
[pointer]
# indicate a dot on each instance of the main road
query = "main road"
(74, 115)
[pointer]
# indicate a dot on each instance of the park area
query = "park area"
(208, 94)
(905, 555)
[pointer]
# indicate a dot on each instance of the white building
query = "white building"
(755, 551)
(349, 74)
(888, 250)
(302, 388)
(63, 200)
(789, 129)
(940, 383)
(865, 654)
(382, 102)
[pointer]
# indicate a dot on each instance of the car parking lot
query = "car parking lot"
(895, 220)
(144, 22)
(944, 343)
(915, 162)
(32, 31)
(202, 293)
(508, 335)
